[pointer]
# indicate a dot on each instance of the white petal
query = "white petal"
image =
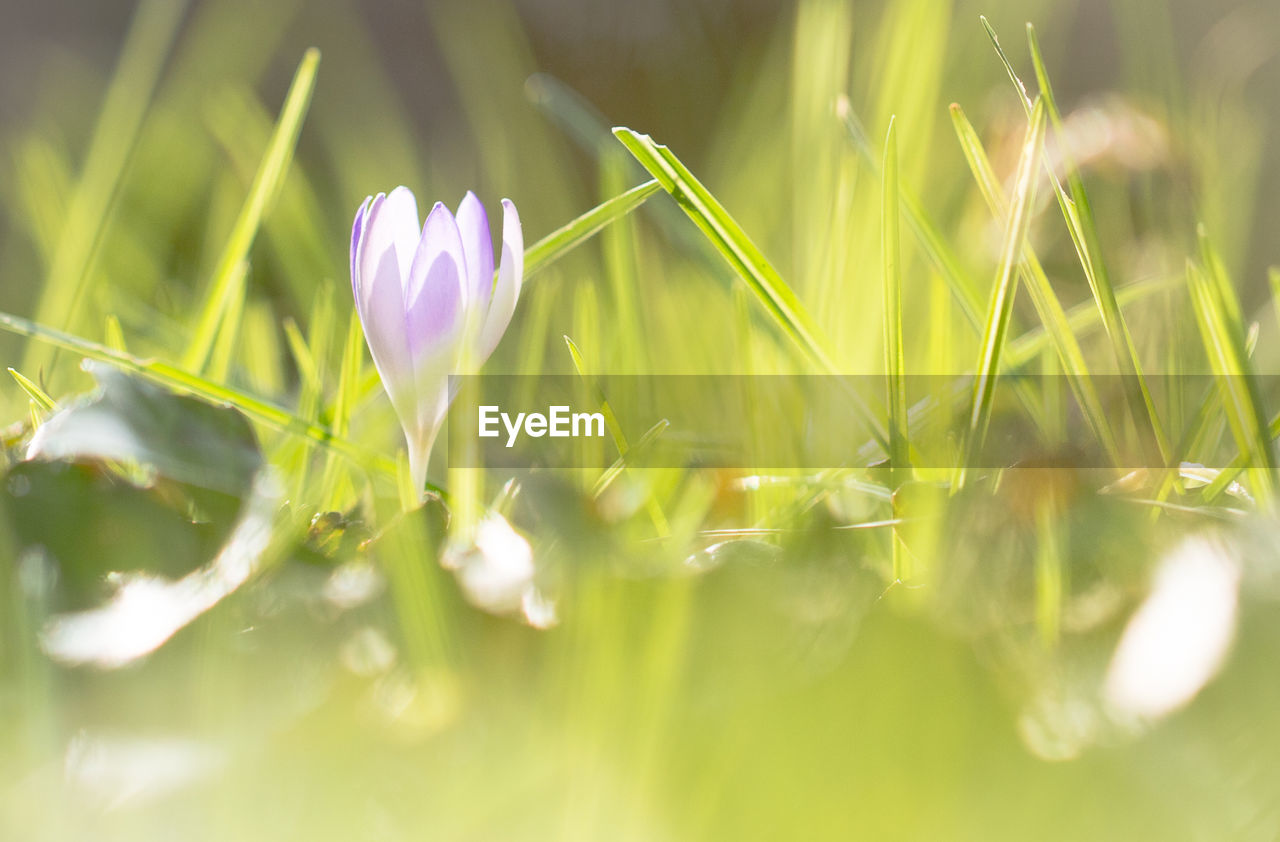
(477, 247)
(379, 296)
(435, 296)
(357, 232)
(507, 290)
(399, 218)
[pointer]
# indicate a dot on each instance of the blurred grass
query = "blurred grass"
(699, 654)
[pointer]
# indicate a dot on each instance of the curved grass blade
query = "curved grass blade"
(731, 241)
(743, 256)
(1002, 294)
(39, 398)
(559, 242)
(176, 378)
(228, 282)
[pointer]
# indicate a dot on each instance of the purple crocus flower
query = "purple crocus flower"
(428, 301)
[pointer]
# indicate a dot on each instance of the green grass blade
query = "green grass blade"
(1052, 315)
(1090, 245)
(1002, 294)
(559, 242)
(1082, 227)
(894, 362)
(890, 249)
(742, 255)
(343, 405)
(227, 283)
(628, 457)
(113, 334)
(625, 449)
(930, 239)
(90, 211)
(1218, 317)
(731, 241)
(1083, 319)
(173, 377)
(38, 396)
(935, 247)
(1008, 65)
(610, 420)
(226, 340)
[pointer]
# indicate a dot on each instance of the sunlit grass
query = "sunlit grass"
(916, 643)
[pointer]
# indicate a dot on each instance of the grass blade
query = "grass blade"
(625, 449)
(1002, 294)
(895, 367)
(1078, 212)
(38, 396)
(227, 283)
(343, 405)
(731, 241)
(742, 255)
(930, 239)
(559, 242)
(1218, 316)
(894, 363)
(1052, 315)
(628, 456)
(173, 377)
(155, 23)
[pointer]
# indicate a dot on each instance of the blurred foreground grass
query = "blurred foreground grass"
(224, 623)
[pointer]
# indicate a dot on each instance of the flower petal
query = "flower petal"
(435, 295)
(379, 294)
(399, 218)
(507, 290)
(477, 248)
(357, 228)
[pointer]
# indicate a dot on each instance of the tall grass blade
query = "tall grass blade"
(1002, 294)
(1052, 315)
(227, 283)
(930, 239)
(895, 367)
(1218, 317)
(1090, 244)
(1078, 212)
(89, 214)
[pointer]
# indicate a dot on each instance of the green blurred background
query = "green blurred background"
(777, 686)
